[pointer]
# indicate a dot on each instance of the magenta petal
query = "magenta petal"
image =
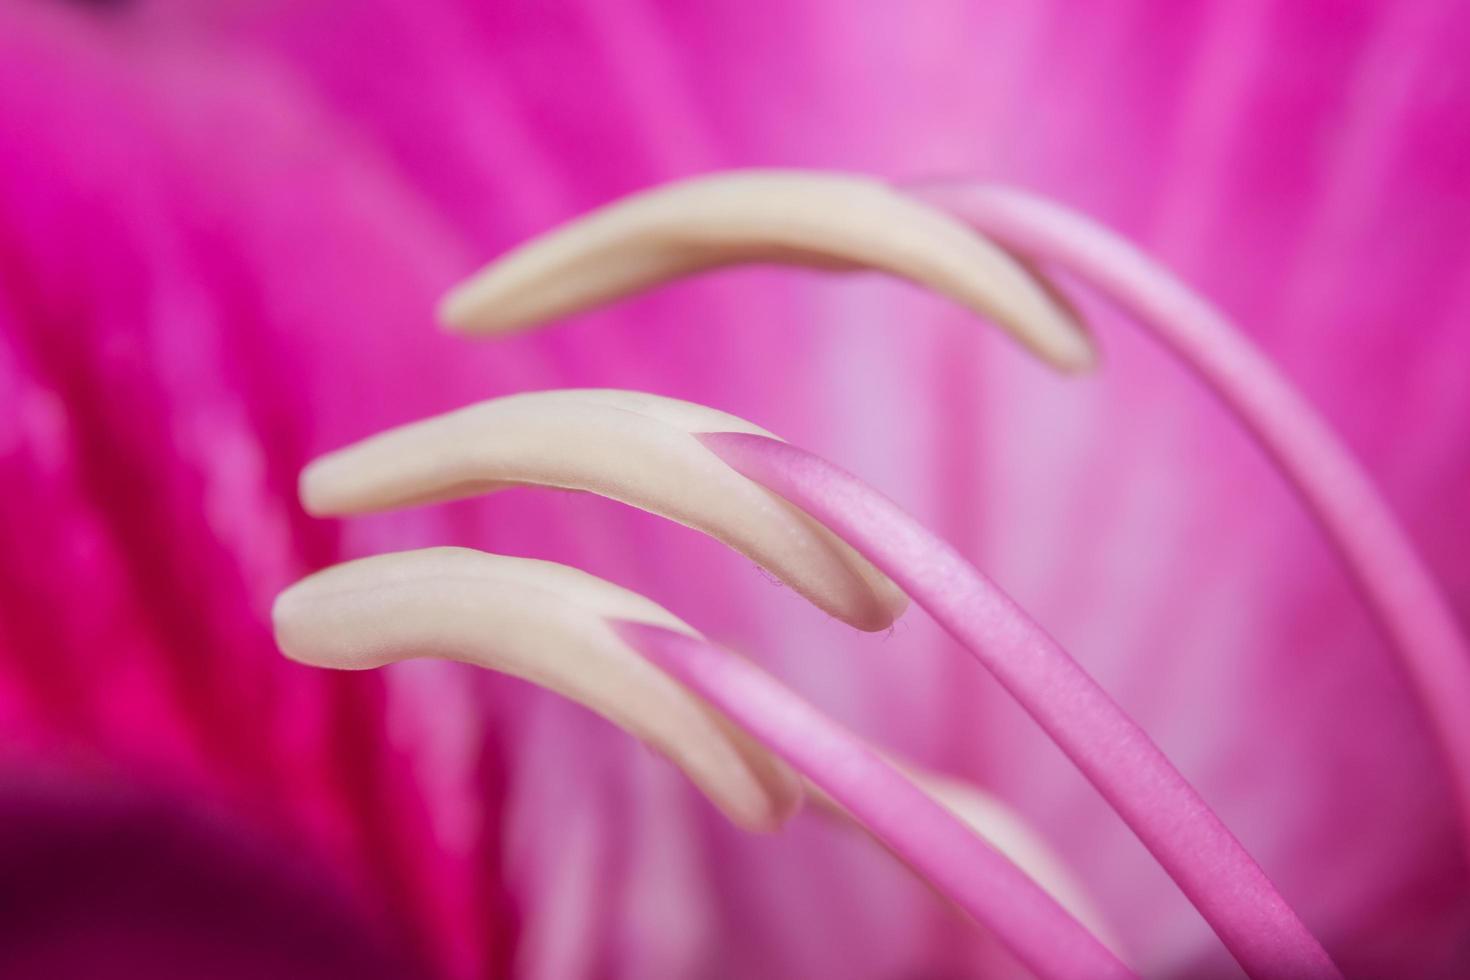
(105, 881)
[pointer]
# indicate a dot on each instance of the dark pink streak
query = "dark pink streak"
(922, 833)
(1379, 556)
(1173, 822)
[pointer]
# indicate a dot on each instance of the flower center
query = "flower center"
(743, 738)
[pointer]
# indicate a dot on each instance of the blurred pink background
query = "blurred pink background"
(223, 228)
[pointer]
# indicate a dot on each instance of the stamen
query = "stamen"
(1170, 818)
(823, 220)
(568, 632)
(545, 623)
(631, 447)
(1382, 561)
(922, 833)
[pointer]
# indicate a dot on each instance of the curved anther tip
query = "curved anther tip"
(1004, 829)
(545, 623)
(1011, 834)
(811, 218)
(640, 449)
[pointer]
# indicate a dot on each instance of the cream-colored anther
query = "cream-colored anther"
(636, 448)
(810, 218)
(543, 622)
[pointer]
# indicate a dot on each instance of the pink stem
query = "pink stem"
(1173, 822)
(1379, 556)
(932, 841)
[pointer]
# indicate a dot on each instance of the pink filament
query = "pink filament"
(1173, 822)
(1393, 581)
(1038, 931)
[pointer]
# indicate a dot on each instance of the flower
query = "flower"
(224, 231)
